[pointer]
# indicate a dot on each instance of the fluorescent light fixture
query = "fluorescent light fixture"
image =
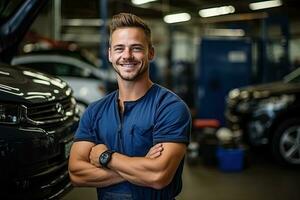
(225, 32)
(265, 4)
(175, 18)
(211, 12)
(140, 2)
(82, 22)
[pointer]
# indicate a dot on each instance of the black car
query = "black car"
(38, 117)
(268, 114)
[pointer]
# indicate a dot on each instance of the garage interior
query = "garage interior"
(245, 141)
(263, 180)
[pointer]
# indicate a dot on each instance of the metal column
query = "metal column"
(103, 33)
(57, 19)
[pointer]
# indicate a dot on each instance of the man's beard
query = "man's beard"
(135, 76)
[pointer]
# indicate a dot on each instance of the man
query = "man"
(131, 144)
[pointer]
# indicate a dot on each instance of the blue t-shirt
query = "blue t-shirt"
(158, 116)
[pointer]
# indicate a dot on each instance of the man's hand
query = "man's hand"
(155, 151)
(97, 150)
(95, 154)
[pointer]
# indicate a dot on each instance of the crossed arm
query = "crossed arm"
(155, 170)
(83, 173)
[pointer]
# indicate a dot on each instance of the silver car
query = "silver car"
(87, 81)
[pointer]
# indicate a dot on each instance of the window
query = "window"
(60, 69)
(42, 67)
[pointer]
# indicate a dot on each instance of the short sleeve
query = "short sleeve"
(173, 123)
(85, 130)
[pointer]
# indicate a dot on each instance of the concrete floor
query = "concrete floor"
(261, 180)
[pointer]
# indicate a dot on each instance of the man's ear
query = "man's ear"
(109, 56)
(151, 53)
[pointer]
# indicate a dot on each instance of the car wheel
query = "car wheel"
(286, 142)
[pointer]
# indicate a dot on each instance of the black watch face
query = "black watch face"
(104, 158)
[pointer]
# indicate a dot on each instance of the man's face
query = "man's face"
(129, 53)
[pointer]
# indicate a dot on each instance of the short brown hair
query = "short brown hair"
(123, 20)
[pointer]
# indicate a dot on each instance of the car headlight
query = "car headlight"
(276, 103)
(9, 113)
(271, 104)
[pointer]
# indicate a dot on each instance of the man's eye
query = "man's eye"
(137, 49)
(118, 49)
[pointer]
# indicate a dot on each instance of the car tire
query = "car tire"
(285, 144)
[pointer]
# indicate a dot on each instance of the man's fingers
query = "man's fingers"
(158, 149)
(155, 147)
(155, 155)
(95, 153)
(155, 151)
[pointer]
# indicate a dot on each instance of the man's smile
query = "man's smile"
(129, 64)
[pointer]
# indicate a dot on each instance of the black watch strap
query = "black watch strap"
(105, 158)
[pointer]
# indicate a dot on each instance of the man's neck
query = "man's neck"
(133, 90)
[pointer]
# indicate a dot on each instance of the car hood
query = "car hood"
(266, 90)
(275, 87)
(22, 85)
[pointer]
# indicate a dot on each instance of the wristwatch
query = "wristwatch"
(105, 157)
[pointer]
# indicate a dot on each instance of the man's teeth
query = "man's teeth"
(128, 65)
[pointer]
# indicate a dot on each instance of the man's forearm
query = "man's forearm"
(87, 175)
(151, 172)
(155, 170)
(143, 173)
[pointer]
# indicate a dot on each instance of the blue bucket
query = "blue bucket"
(230, 160)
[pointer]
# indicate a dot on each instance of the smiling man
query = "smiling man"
(131, 144)
(130, 54)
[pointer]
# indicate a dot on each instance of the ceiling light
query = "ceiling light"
(140, 2)
(225, 32)
(175, 18)
(210, 12)
(265, 4)
(82, 22)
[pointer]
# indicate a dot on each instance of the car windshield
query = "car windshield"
(293, 77)
(7, 8)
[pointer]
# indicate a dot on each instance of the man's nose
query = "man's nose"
(127, 54)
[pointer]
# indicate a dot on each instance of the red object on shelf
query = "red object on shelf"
(205, 123)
